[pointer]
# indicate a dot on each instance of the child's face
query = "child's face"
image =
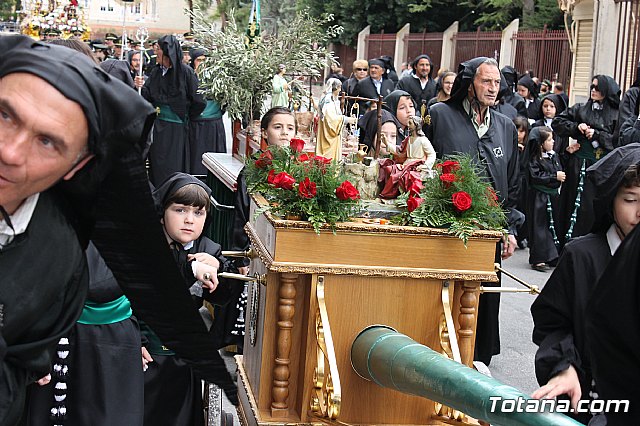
(548, 144)
(281, 130)
(523, 91)
(405, 110)
(184, 223)
(548, 109)
(521, 135)
(626, 208)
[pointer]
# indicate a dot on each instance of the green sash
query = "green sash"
(105, 313)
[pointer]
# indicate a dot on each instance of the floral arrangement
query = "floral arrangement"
(457, 198)
(309, 187)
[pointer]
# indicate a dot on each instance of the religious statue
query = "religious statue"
(331, 123)
(416, 146)
(280, 88)
(364, 176)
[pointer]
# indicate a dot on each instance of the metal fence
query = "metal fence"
(421, 43)
(546, 53)
(479, 43)
(380, 44)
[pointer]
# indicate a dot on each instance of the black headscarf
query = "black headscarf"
(531, 85)
(464, 79)
(369, 122)
(118, 69)
(392, 99)
(112, 202)
(610, 89)
(173, 183)
(607, 175)
(414, 64)
(195, 54)
(557, 101)
(535, 141)
(510, 76)
(171, 89)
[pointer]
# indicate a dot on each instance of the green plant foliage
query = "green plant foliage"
(325, 207)
(434, 205)
(239, 78)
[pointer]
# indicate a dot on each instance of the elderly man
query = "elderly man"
(466, 124)
(71, 169)
(373, 86)
(419, 83)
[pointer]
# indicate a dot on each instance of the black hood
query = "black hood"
(117, 116)
(466, 73)
(417, 59)
(195, 54)
(118, 69)
(557, 101)
(510, 76)
(535, 141)
(392, 99)
(528, 82)
(369, 122)
(609, 89)
(607, 175)
(174, 182)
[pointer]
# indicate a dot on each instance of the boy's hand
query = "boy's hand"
(208, 276)
(205, 258)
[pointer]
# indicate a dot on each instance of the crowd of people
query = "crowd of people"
(102, 317)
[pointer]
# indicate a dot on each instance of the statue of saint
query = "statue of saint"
(331, 123)
(416, 146)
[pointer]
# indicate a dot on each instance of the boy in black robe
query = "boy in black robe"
(563, 359)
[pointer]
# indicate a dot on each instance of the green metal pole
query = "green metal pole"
(395, 361)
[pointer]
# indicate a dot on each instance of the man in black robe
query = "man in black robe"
(71, 170)
(373, 86)
(419, 83)
(512, 97)
(465, 124)
(172, 87)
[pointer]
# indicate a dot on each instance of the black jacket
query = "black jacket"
(366, 89)
(452, 132)
(412, 85)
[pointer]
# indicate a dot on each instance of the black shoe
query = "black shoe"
(541, 267)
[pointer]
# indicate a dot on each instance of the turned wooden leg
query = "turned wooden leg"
(281, 373)
(467, 321)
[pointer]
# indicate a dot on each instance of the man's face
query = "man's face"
(375, 72)
(43, 138)
(198, 61)
(486, 85)
(135, 62)
(423, 67)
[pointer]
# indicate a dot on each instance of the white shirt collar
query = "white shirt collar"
(20, 220)
(613, 239)
(188, 245)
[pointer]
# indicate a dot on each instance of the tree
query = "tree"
(497, 14)
(8, 9)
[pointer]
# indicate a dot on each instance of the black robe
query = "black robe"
(206, 134)
(543, 189)
(105, 380)
(366, 89)
(516, 101)
(629, 108)
(566, 125)
(170, 149)
(560, 311)
(34, 319)
(452, 132)
(613, 327)
(629, 131)
(413, 86)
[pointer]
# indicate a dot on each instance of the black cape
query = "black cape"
(413, 86)
(613, 327)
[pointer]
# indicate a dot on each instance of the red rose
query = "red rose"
(297, 145)
(461, 201)
(346, 191)
(284, 180)
(447, 179)
(271, 176)
(449, 166)
(303, 158)
(307, 189)
(264, 160)
(413, 203)
(322, 160)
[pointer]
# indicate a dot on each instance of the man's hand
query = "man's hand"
(509, 245)
(563, 383)
(583, 127)
(138, 81)
(561, 176)
(573, 148)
